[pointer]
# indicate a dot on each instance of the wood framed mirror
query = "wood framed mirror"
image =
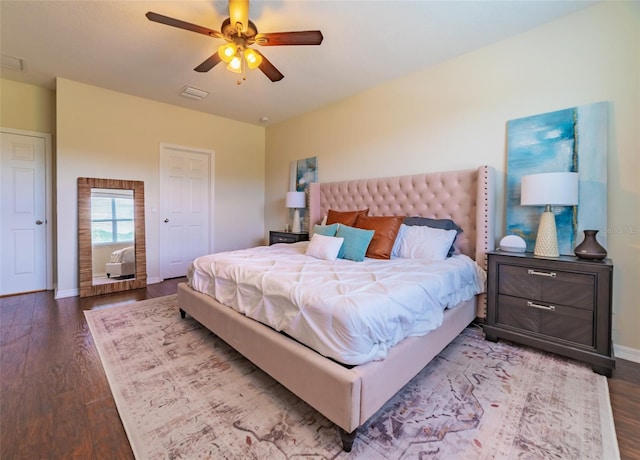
(111, 259)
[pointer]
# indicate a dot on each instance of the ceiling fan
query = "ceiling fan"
(239, 34)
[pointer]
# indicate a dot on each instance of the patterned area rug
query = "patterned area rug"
(183, 393)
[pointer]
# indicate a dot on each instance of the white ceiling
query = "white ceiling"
(111, 44)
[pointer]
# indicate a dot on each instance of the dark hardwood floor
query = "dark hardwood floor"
(55, 401)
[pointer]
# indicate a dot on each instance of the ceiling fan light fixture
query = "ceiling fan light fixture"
(235, 65)
(227, 52)
(253, 58)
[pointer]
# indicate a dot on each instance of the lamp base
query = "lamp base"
(547, 239)
(295, 228)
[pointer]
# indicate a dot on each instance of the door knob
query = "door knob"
(39, 222)
(166, 220)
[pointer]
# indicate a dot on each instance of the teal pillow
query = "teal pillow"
(326, 230)
(356, 242)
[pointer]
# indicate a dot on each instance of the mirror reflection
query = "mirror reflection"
(112, 235)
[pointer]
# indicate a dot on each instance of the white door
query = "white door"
(185, 207)
(23, 234)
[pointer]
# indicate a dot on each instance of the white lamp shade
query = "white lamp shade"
(556, 189)
(296, 200)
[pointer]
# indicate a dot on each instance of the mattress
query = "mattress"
(352, 312)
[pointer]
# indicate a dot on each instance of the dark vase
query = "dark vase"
(590, 248)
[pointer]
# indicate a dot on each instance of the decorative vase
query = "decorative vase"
(590, 248)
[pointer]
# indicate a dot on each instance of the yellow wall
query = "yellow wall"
(453, 116)
(106, 134)
(27, 107)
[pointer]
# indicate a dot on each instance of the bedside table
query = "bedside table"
(560, 304)
(287, 237)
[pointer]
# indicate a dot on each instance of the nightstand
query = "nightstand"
(287, 237)
(560, 304)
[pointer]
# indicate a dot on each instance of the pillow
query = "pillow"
(421, 242)
(324, 247)
(444, 224)
(386, 229)
(345, 217)
(356, 242)
(326, 230)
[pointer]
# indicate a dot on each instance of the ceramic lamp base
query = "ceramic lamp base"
(295, 228)
(547, 239)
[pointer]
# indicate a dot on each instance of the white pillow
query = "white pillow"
(421, 242)
(324, 247)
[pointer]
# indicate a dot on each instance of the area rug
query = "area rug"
(182, 393)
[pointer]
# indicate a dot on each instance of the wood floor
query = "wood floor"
(55, 401)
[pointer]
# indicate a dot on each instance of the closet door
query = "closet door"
(185, 207)
(23, 228)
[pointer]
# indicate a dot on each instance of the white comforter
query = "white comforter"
(350, 311)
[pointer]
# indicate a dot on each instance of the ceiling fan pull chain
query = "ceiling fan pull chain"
(243, 69)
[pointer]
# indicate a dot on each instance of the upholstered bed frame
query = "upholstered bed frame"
(350, 396)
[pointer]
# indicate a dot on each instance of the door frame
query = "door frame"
(164, 147)
(48, 198)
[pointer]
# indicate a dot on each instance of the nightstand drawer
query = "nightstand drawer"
(553, 320)
(555, 286)
(287, 237)
(283, 238)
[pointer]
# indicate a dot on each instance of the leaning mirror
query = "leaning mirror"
(111, 238)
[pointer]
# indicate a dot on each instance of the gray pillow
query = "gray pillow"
(444, 224)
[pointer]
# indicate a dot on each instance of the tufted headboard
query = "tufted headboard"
(466, 197)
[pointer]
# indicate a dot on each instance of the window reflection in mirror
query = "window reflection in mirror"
(112, 235)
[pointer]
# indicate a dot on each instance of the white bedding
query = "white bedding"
(352, 312)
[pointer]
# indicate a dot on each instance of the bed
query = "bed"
(350, 395)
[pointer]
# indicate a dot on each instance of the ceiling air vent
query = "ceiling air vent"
(12, 63)
(193, 93)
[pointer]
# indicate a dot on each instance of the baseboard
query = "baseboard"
(628, 353)
(76, 292)
(66, 293)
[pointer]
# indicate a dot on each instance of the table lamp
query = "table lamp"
(297, 201)
(549, 189)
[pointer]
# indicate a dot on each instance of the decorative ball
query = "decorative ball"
(513, 243)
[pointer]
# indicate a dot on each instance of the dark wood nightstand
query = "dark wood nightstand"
(287, 237)
(560, 304)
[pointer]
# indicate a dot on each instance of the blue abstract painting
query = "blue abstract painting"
(306, 171)
(569, 140)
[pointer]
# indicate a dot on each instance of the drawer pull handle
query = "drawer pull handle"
(536, 272)
(541, 307)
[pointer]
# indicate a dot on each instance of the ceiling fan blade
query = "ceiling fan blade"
(155, 17)
(305, 37)
(209, 63)
(269, 69)
(239, 13)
